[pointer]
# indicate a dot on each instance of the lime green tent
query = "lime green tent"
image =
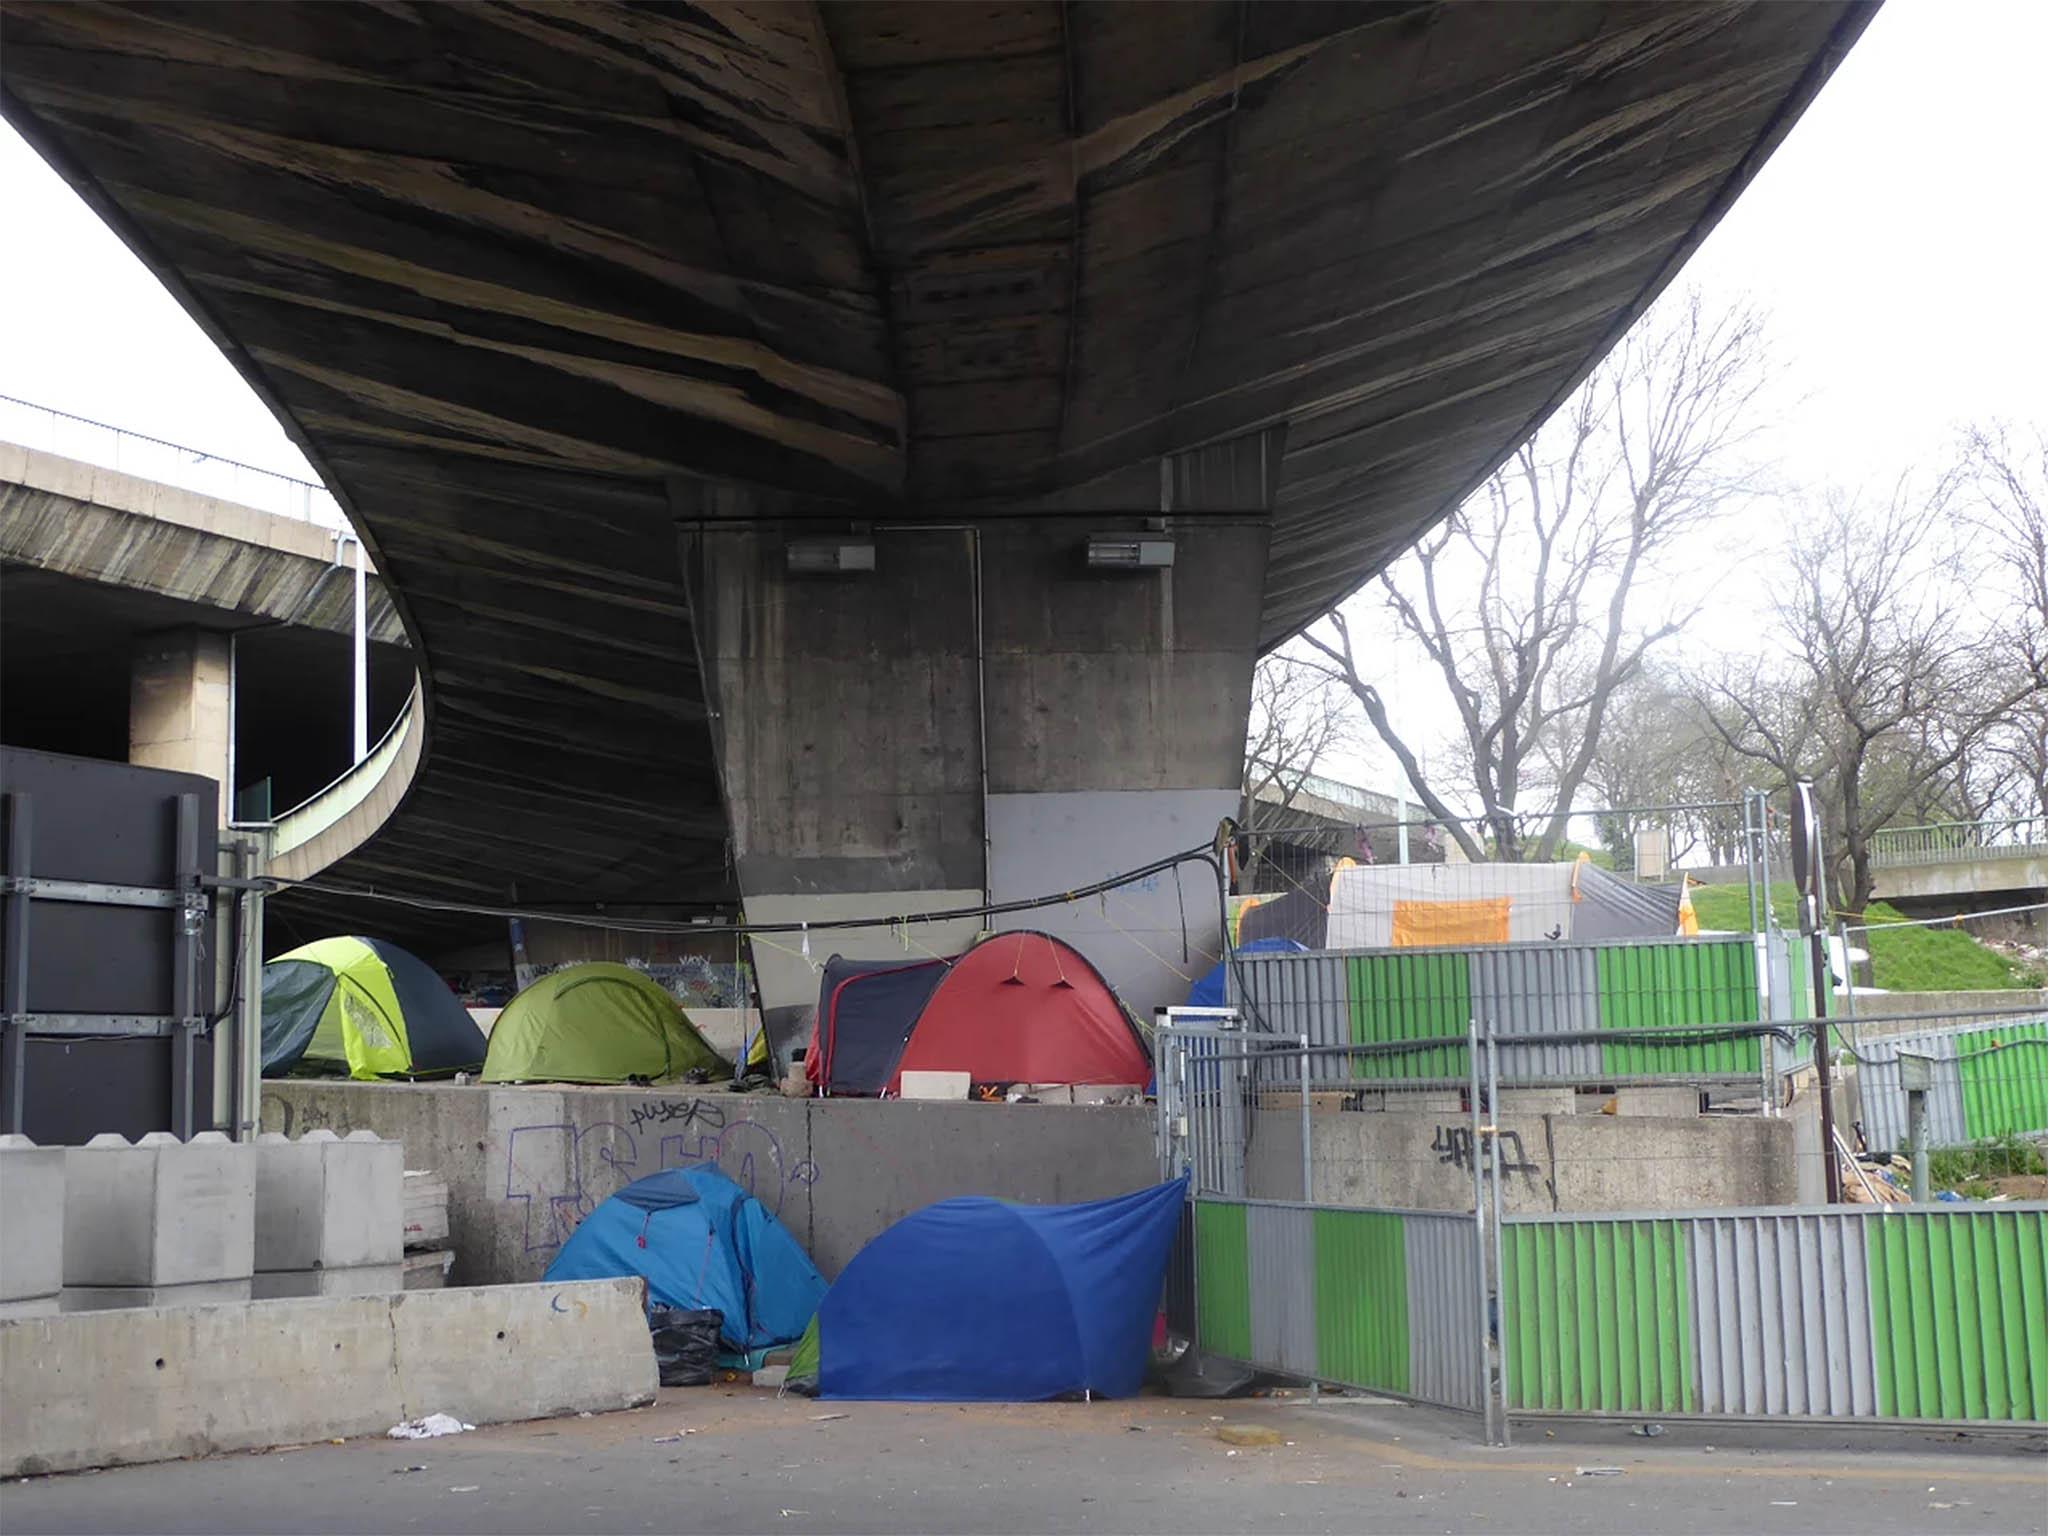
(365, 1007)
(597, 1023)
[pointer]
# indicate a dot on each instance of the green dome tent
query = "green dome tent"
(597, 1023)
(365, 1007)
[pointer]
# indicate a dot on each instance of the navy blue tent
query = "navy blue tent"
(1208, 990)
(866, 1011)
(700, 1241)
(983, 1301)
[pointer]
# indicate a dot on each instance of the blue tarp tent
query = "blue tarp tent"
(983, 1301)
(1207, 992)
(700, 1241)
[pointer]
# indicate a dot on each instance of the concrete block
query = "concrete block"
(31, 1220)
(426, 1269)
(497, 1353)
(160, 1212)
(328, 1202)
(1671, 1103)
(363, 1280)
(199, 1293)
(96, 1389)
(32, 1306)
(936, 1085)
(1539, 1101)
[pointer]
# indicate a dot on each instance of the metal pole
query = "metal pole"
(1823, 1074)
(1308, 1171)
(188, 917)
(1401, 831)
(362, 694)
(1916, 1138)
(1496, 1372)
(1479, 1235)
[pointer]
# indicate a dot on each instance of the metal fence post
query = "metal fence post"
(1486, 1395)
(1496, 1364)
(14, 969)
(1308, 1173)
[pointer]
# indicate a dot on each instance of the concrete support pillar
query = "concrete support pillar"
(178, 705)
(980, 714)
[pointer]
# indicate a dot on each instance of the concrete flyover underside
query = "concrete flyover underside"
(552, 296)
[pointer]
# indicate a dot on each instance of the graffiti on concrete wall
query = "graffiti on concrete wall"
(1454, 1145)
(561, 1172)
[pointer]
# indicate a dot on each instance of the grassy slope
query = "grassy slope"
(1905, 960)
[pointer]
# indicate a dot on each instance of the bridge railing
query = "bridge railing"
(1947, 842)
(152, 458)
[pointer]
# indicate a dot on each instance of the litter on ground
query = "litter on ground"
(427, 1428)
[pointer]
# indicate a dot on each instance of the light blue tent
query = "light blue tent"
(700, 1241)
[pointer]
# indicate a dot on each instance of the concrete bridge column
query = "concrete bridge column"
(979, 715)
(179, 715)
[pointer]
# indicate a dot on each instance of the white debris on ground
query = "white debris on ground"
(434, 1424)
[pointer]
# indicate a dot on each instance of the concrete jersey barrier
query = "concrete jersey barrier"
(97, 1389)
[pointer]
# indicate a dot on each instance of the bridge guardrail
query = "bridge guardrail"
(1948, 842)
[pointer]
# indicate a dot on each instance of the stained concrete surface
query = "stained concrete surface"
(747, 1461)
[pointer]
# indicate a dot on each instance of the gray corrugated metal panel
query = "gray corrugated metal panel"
(1781, 1313)
(1540, 991)
(1300, 994)
(1444, 1364)
(1885, 1121)
(1281, 1242)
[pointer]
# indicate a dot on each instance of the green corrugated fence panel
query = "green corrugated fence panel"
(1599, 1316)
(1418, 996)
(1660, 986)
(1223, 1281)
(1361, 1296)
(2004, 1090)
(1958, 1314)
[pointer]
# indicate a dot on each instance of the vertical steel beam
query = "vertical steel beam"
(187, 918)
(14, 975)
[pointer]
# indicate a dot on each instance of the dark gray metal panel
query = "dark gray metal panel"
(1281, 1240)
(1782, 1316)
(1553, 989)
(1294, 994)
(1444, 1364)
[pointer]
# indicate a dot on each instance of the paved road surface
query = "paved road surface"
(758, 1464)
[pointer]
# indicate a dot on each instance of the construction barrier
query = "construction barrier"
(1990, 1080)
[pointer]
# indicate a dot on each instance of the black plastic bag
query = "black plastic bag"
(685, 1345)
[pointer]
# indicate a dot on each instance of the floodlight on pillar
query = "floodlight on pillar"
(830, 557)
(1129, 552)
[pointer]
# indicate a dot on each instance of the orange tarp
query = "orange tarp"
(1420, 923)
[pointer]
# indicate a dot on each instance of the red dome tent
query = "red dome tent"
(1019, 1007)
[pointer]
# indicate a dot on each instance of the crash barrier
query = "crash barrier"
(1406, 1012)
(1989, 1079)
(1883, 1314)
(1931, 1313)
(139, 1384)
(1381, 1300)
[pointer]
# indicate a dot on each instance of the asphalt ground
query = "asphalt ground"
(741, 1459)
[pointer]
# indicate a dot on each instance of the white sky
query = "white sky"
(1896, 240)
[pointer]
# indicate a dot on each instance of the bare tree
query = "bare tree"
(1530, 600)
(1878, 684)
(1297, 720)
(2004, 493)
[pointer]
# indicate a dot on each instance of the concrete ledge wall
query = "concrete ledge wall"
(1404, 1159)
(97, 1389)
(525, 1165)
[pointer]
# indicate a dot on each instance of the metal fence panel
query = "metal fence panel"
(1672, 986)
(1884, 1101)
(1779, 1304)
(1414, 994)
(1293, 994)
(1598, 1316)
(1959, 1312)
(1281, 1240)
(1444, 1331)
(1547, 990)
(2005, 1090)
